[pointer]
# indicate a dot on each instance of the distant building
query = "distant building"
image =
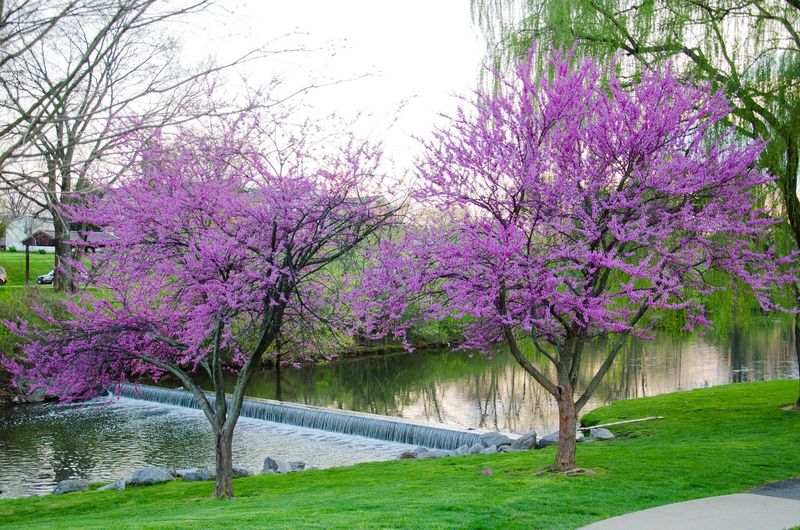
(24, 226)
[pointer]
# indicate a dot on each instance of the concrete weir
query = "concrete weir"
(341, 421)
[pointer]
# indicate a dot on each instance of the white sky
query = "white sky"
(416, 51)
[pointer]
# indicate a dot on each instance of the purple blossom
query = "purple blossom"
(566, 208)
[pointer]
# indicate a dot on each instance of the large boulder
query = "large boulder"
(197, 475)
(552, 439)
(489, 450)
(71, 485)
(601, 433)
(495, 438)
(147, 476)
(475, 449)
(118, 485)
(414, 453)
(525, 442)
(433, 453)
(240, 471)
(273, 465)
(461, 451)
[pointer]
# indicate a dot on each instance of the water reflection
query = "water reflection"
(495, 393)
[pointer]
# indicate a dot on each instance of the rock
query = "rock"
(297, 466)
(525, 442)
(461, 451)
(601, 433)
(277, 466)
(118, 485)
(198, 475)
(147, 476)
(475, 449)
(552, 439)
(495, 438)
(240, 471)
(508, 449)
(27, 393)
(71, 485)
(435, 453)
(181, 472)
(489, 450)
(414, 453)
(37, 396)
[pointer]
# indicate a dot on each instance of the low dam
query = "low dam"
(340, 421)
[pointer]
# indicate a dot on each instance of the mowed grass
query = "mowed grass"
(14, 264)
(713, 441)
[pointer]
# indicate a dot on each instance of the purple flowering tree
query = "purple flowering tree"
(221, 246)
(568, 208)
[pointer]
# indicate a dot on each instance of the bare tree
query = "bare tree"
(78, 76)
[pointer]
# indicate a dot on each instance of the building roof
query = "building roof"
(46, 238)
(40, 238)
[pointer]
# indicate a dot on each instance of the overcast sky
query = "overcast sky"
(419, 52)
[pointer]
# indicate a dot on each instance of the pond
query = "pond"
(40, 444)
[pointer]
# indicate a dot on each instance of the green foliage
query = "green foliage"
(11, 249)
(695, 452)
(42, 251)
(436, 332)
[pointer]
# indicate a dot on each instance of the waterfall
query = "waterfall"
(341, 421)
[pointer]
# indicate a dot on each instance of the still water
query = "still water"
(41, 444)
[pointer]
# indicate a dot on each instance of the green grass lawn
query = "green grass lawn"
(713, 441)
(14, 264)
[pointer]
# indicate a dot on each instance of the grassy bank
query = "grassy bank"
(713, 441)
(17, 300)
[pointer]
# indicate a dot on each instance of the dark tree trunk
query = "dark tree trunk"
(62, 280)
(224, 452)
(567, 429)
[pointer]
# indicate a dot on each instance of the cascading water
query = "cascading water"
(345, 422)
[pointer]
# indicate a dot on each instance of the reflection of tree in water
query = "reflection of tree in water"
(738, 371)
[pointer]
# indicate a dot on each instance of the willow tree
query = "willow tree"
(749, 48)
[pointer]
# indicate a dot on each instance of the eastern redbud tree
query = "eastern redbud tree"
(223, 242)
(570, 207)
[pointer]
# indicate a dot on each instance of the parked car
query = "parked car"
(3, 276)
(46, 278)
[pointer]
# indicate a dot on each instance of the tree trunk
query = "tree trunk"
(567, 427)
(224, 453)
(62, 280)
